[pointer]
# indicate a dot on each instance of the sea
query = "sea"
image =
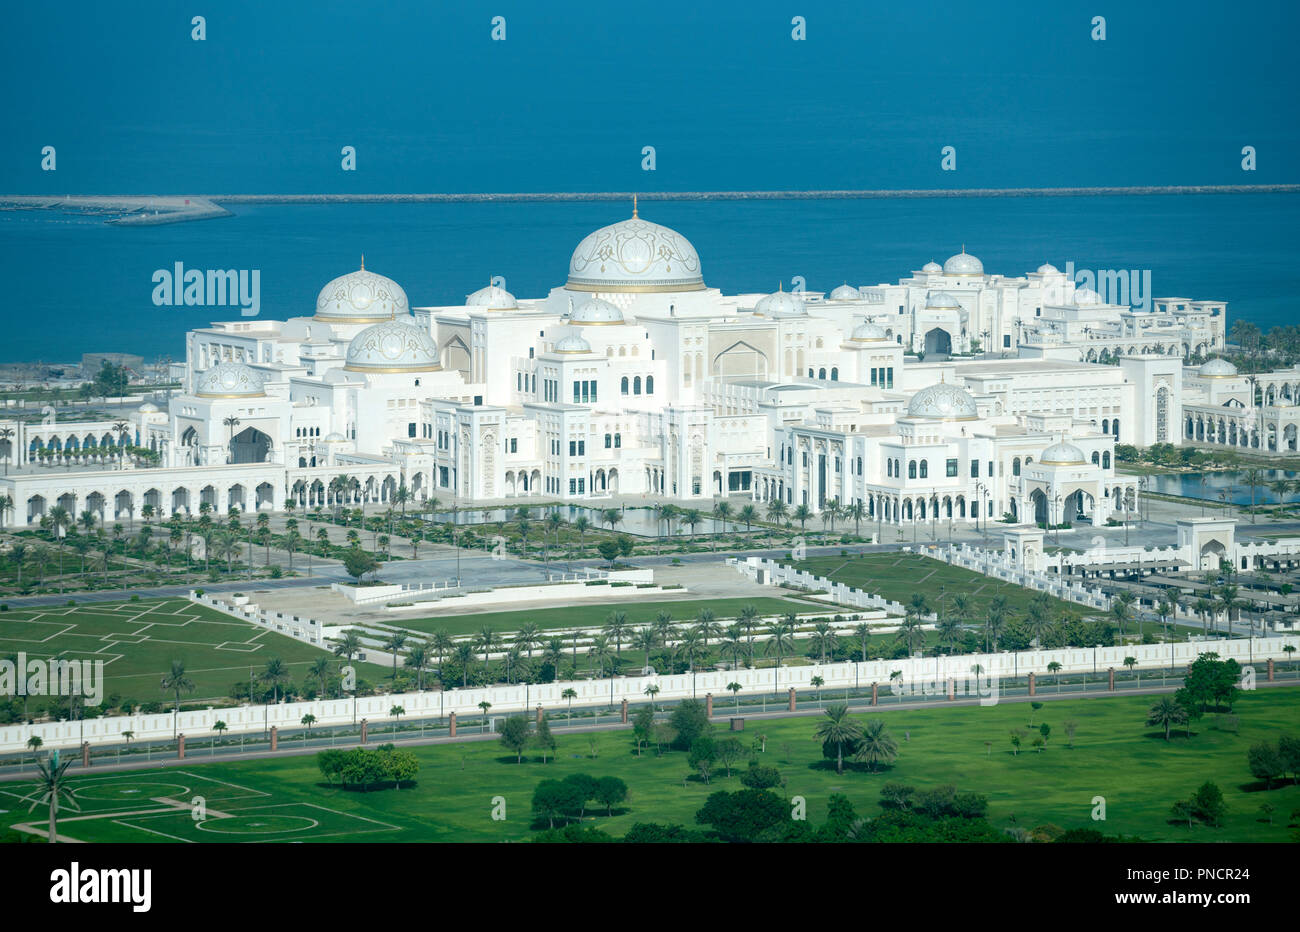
(74, 284)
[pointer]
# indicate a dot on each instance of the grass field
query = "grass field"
(596, 615)
(138, 641)
(1114, 756)
(898, 575)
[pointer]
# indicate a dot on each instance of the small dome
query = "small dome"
(932, 268)
(780, 303)
(492, 298)
(868, 333)
(596, 313)
(635, 255)
(1217, 368)
(148, 408)
(360, 297)
(1085, 297)
(392, 346)
(963, 264)
(229, 380)
(942, 301)
(845, 292)
(335, 437)
(572, 344)
(943, 402)
(1063, 454)
(1048, 269)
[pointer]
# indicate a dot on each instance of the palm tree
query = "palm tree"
(722, 511)
(394, 644)
(528, 637)
(692, 517)
(994, 624)
(348, 646)
(748, 515)
(1254, 478)
(780, 638)
(570, 694)
(735, 689)
(824, 638)
(616, 627)
(734, 638)
(1055, 669)
(838, 729)
(645, 639)
(487, 641)
(218, 726)
(747, 620)
(417, 659)
(51, 789)
(863, 633)
(275, 673)
(582, 525)
(1166, 713)
(911, 633)
(877, 745)
(176, 681)
(802, 514)
(320, 672)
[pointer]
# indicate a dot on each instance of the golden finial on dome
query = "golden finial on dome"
(363, 262)
(634, 206)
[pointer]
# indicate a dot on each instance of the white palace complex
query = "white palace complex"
(634, 378)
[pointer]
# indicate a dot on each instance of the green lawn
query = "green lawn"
(138, 641)
(1114, 756)
(594, 615)
(898, 575)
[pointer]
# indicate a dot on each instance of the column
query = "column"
(539, 714)
(275, 738)
(623, 709)
(708, 704)
(875, 693)
(180, 748)
(792, 699)
(1111, 673)
(451, 725)
(1032, 684)
(365, 730)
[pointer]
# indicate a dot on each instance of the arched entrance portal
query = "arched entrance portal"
(938, 341)
(250, 446)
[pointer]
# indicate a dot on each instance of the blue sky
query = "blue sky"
(133, 105)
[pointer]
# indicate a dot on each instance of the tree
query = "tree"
(516, 733)
(176, 681)
(643, 723)
(1167, 713)
(689, 721)
(729, 750)
(609, 792)
(876, 745)
(543, 738)
(358, 563)
(608, 550)
(744, 814)
(1265, 763)
(275, 673)
(555, 799)
(839, 730)
(51, 789)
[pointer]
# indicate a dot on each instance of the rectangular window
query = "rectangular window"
(577, 392)
(952, 468)
(410, 429)
(890, 375)
(974, 469)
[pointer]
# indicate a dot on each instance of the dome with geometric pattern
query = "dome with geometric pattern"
(493, 298)
(393, 346)
(1086, 297)
(361, 297)
(572, 345)
(780, 303)
(1063, 453)
(229, 380)
(963, 264)
(932, 268)
(943, 402)
(942, 301)
(1217, 368)
(845, 292)
(596, 313)
(635, 255)
(868, 333)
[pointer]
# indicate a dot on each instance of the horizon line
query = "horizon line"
(580, 196)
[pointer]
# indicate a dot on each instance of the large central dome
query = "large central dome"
(943, 402)
(635, 255)
(392, 346)
(360, 297)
